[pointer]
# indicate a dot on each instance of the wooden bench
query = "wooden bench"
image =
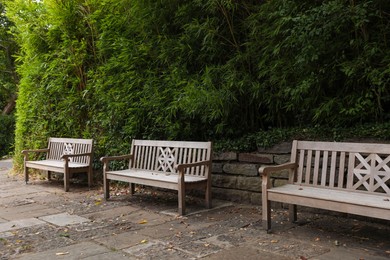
(64, 155)
(345, 177)
(175, 165)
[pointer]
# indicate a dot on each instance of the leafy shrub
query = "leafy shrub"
(114, 70)
(7, 132)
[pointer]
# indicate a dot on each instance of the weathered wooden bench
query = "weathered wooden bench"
(175, 165)
(64, 155)
(345, 177)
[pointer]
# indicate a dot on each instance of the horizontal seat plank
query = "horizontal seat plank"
(54, 163)
(339, 196)
(153, 175)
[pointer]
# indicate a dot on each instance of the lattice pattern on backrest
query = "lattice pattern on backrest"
(165, 155)
(343, 166)
(369, 172)
(60, 146)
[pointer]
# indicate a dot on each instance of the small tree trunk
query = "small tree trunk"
(10, 106)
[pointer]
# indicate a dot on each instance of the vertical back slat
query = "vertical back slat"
(351, 167)
(155, 157)
(324, 168)
(316, 167)
(308, 166)
(198, 159)
(204, 151)
(300, 167)
(142, 159)
(341, 170)
(189, 159)
(149, 159)
(332, 169)
(185, 157)
(137, 155)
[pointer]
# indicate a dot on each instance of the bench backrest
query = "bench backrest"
(60, 146)
(352, 166)
(164, 155)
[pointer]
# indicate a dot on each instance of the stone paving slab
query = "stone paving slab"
(348, 254)
(13, 191)
(157, 249)
(77, 251)
(123, 240)
(247, 253)
(26, 211)
(64, 219)
(146, 218)
(118, 212)
(165, 230)
(108, 256)
(21, 223)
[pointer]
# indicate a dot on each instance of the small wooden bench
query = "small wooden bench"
(345, 177)
(175, 165)
(64, 155)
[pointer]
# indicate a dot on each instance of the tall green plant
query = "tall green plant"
(115, 70)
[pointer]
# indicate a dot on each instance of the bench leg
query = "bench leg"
(26, 174)
(48, 175)
(66, 181)
(106, 187)
(292, 210)
(208, 195)
(132, 188)
(90, 177)
(266, 215)
(182, 203)
(181, 198)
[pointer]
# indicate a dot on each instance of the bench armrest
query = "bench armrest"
(264, 171)
(181, 167)
(26, 152)
(44, 150)
(107, 159)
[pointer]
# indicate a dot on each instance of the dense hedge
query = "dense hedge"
(114, 70)
(7, 131)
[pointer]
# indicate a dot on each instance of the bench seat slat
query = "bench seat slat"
(54, 163)
(343, 196)
(159, 176)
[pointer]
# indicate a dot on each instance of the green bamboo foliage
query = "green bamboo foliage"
(114, 70)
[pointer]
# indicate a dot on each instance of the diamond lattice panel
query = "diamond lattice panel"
(166, 159)
(68, 149)
(371, 173)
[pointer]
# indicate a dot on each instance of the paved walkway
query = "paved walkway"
(41, 221)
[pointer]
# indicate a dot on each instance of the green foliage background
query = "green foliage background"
(114, 70)
(8, 82)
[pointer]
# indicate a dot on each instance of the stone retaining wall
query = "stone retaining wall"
(235, 175)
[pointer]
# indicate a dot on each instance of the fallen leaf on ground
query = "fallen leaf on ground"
(274, 241)
(144, 241)
(143, 221)
(62, 253)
